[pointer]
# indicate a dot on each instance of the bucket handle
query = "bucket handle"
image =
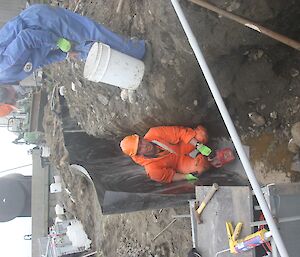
(106, 64)
(100, 47)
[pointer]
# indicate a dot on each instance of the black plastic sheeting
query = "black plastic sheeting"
(15, 197)
(122, 186)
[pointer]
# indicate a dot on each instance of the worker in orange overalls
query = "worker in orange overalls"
(164, 152)
(8, 98)
(6, 109)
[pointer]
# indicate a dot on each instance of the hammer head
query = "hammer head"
(196, 214)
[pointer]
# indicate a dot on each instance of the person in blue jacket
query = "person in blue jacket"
(42, 34)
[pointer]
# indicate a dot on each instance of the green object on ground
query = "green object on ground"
(204, 150)
(190, 177)
(64, 45)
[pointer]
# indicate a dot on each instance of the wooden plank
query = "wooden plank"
(39, 100)
(34, 111)
(230, 203)
(39, 201)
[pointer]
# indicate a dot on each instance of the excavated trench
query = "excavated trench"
(168, 96)
(122, 186)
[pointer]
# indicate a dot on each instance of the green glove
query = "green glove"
(64, 44)
(190, 177)
(203, 149)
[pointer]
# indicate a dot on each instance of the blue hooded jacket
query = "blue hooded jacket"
(29, 41)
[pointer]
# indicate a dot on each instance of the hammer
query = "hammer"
(206, 199)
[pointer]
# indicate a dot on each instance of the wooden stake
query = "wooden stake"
(164, 229)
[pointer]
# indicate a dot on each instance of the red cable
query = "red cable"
(266, 250)
(266, 244)
(269, 246)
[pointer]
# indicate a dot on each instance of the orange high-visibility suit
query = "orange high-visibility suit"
(164, 167)
(6, 109)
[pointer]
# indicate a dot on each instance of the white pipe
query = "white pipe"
(231, 129)
(192, 208)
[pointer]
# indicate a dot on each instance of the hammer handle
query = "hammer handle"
(206, 199)
(250, 24)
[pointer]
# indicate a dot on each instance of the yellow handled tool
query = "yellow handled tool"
(206, 199)
(237, 231)
(249, 242)
(233, 235)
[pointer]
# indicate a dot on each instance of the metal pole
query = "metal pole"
(231, 129)
(74, 131)
(250, 24)
(2, 171)
(220, 252)
(280, 220)
(192, 209)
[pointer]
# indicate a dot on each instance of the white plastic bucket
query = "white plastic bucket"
(59, 210)
(55, 188)
(109, 66)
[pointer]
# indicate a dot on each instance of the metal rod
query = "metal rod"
(89, 254)
(2, 171)
(250, 24)
(281, 220)
(223, 251)
(231, 129)
(74, 131)
(164, 229)
(192, 208)
(258, 223)
(288, 219)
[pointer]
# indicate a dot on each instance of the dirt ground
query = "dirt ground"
(254, 73)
